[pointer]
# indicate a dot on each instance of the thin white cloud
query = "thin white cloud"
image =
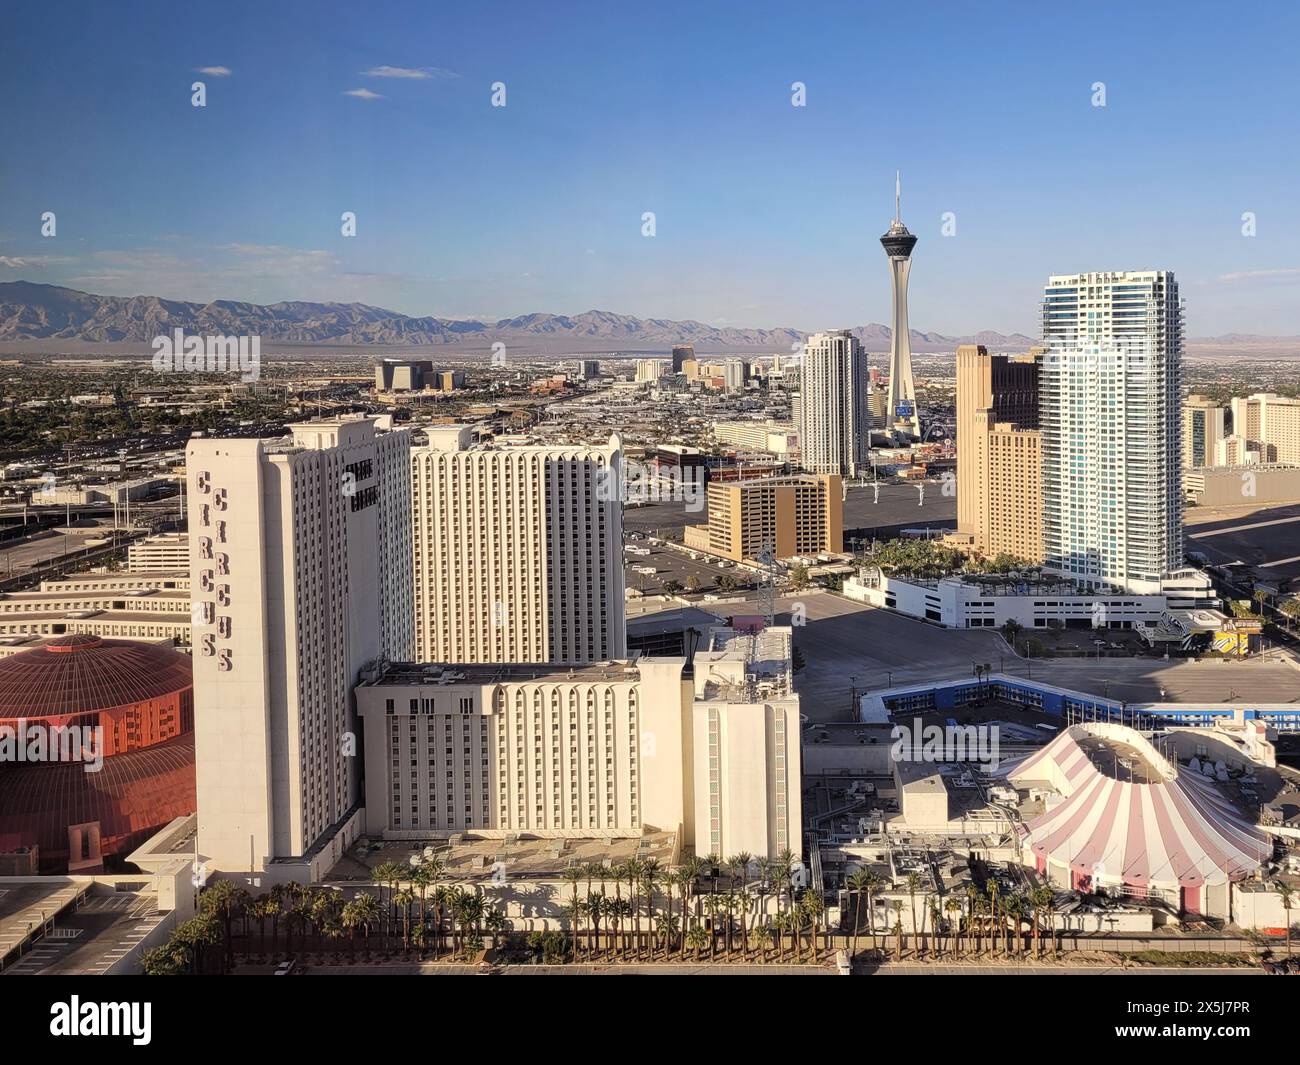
(410, 73)
(214, 72)
(31, 262)
(1284, 274)
(364, 94)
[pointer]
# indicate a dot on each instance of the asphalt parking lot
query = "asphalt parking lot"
(674, 564)
(1268, 538)
(885, 513)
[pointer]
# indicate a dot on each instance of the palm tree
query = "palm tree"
(386, 875)
(442, 898)
(633, 868)
(595, 912)
(650, 879)
(667, 925)
(854, 885)
(229, 902)
(697, 938)
(1014, 908)
(992, 888)
(333, 931)
(739, 863)
(191, 939)
(300, 911)
(762, 939)
(575, 907)
(669, 882)
(1287, 894)
(1041, 899)
(573, 876)
(981, 912)
(814, 906)
(712, 904)
(897, 906)
(781, 923)
(693, 868)
(470, 908)
(403, 899)
(684, 879)
(723, 909)
(424, 877)
(619, 910)
(913, 882)
(349, 918)
(785, 873)
(952, 907)
(324, 910)
(871, 883)
(972, 928)
(257, 911)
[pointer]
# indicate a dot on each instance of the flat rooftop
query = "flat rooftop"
(93, 928)
(470, 858)
(409, 673)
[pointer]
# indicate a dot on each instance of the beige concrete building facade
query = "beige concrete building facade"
(1012, 511)
(795, 515)
(301, 573)
(613, 749)
(517, 551)
(162, 552)
(776, 438)
(999, 453)
(1271, 420)
(1254, 485)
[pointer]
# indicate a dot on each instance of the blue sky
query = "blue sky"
(766, 214)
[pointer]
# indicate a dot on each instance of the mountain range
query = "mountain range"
(30, 311)
(45, 313)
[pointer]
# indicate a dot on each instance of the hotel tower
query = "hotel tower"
(1111, 413)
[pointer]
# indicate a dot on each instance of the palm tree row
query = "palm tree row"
(950, 925)
(635, 909)
(423, 913)
(642, 911)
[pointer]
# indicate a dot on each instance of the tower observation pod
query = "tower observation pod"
(902, 416)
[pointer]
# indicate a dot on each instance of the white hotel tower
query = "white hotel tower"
(518, 551)
(901, 414)
(300, 564)
(835, 426)
(1110, 409)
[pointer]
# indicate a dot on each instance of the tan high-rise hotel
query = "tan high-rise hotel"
(999, 453)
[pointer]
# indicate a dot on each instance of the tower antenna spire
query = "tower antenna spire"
(898, 193)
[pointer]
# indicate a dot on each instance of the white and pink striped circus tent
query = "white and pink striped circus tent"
(1130, 821)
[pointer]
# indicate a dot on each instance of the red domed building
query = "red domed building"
(141, 696)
